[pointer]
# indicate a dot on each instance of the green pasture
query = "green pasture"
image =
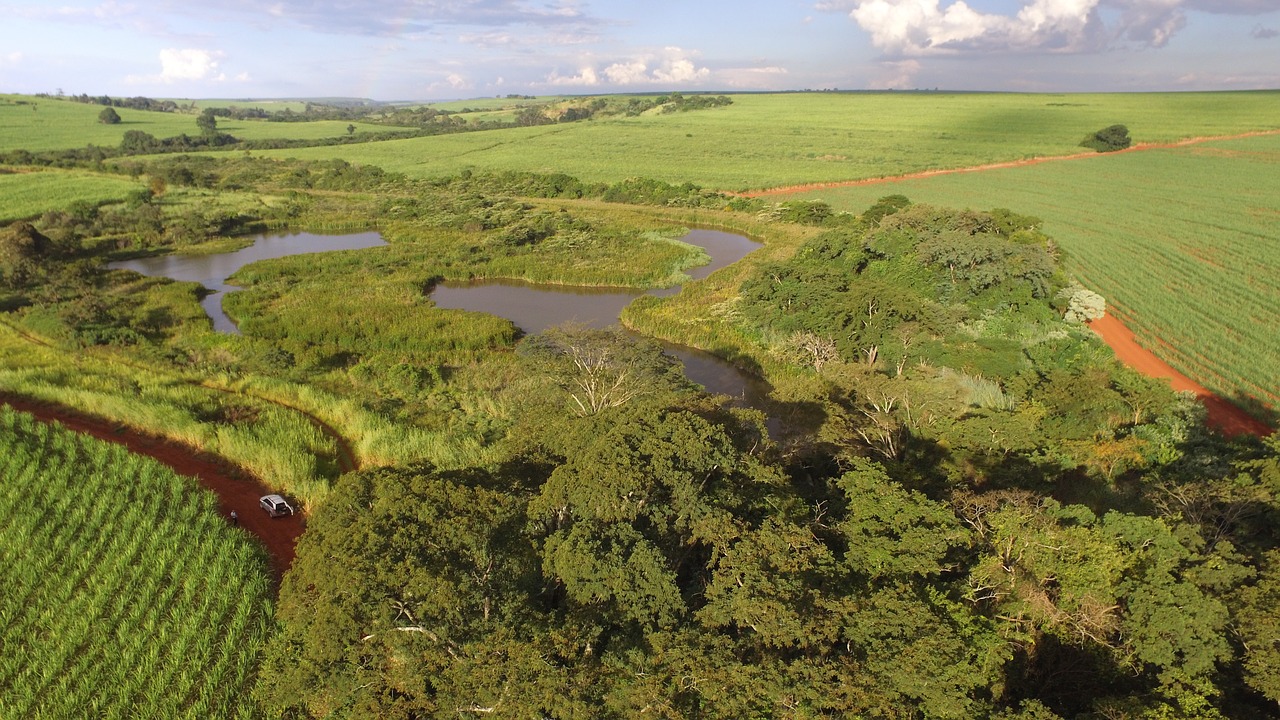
(268, 105)
(123, 591)
(496, 103)
(28, 194)
(56, 124)
(1183, 242)
(772, 140)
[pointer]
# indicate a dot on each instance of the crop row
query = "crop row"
(123, 593)
(1180, 241)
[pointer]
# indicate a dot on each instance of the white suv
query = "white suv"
(275, 505)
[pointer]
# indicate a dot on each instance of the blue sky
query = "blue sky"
(442, 49)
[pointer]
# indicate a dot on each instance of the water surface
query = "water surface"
(212, 271)
(534, 308)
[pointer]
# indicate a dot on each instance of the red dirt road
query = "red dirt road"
(790, 189)
(1224, 416)
(236, 490)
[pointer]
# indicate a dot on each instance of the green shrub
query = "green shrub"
(1108, 139)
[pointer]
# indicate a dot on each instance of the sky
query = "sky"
(393, 50)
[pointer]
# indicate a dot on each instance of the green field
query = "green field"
(60, 124)
(1185, 242)
(28, 194)
(123, 592)
(496, 103)
(771, 140)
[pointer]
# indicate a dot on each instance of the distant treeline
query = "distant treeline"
(133, 103)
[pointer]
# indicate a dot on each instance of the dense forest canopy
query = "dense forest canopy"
(971, 510)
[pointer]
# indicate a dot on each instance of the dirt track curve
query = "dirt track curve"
(789, 189)
(1222, 415)
(236, 489)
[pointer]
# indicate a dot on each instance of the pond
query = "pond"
(212, 271)
(534, 308)
(531, 307)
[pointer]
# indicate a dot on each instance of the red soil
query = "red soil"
(1224, 416)
(789, 189)
(236, 490)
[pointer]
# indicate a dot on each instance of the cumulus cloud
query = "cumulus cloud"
(189, 65)
(672, 66)
(917, 28)
(586, 76)
(1264, 33)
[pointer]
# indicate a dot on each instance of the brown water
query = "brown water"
(212, 271)
(534, 308)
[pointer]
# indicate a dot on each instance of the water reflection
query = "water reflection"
(534, 308)
(212, 271)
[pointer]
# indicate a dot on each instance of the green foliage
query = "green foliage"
(1108, 139)
(109, 116)
(1259, 628)
(892, 532)
(913, 272)
(122, 585)
(1178, 260)
(432, 569)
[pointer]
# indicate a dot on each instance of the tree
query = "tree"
(1083, 305)
(207, 121)
(109, 116)
(351, 129)
(411, 585)
(21, 249)
(1108, 139)
(602, 369)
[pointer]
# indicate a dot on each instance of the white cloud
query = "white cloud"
(672, 66)
(586, 76)
(12, 59)
(918, 28)
(924, 27)
(188, 64)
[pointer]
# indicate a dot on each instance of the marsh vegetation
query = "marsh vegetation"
(948, 502)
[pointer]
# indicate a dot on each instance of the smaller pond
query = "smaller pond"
(534, 308)
(212, 271)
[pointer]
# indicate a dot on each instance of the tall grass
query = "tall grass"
(282, 447)
(28, 194)
(123, 593)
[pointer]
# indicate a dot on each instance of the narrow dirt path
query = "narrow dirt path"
(236, 489)
(790, 189)
(1223, 415)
